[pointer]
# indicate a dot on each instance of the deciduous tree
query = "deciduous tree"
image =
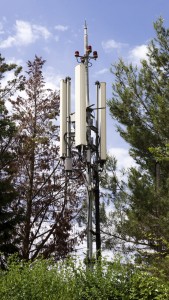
(39, 180)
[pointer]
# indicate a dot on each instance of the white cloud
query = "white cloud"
(138, 53)
(52, 79)
(102, 71)
(13, 60)
(124, 160)
(41, 31)
(109, 45)
(25, 34)
(61, 27)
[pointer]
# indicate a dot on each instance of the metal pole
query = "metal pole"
(96, 176)
(88, 168)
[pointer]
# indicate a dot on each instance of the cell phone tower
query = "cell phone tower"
(88, 137)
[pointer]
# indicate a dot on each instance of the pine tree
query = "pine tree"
(140, 105)
(9, 217)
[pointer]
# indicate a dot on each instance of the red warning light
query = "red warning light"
(95, 55)
(89, 49)
(76, 53)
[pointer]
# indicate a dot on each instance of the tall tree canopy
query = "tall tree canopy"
(38, 179)
(9, 217)
(39, 203)
(140, 104)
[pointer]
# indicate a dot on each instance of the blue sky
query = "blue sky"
(53, 29)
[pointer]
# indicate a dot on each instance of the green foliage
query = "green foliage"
(9, 219)
(140, 106)
(45, 279)
(140, 100)
(160, 153)
(144, 287)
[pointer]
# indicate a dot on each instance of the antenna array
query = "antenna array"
(80, 132)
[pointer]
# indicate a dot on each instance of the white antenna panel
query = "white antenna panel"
(63, 117)
(102, 120)
(80, 105)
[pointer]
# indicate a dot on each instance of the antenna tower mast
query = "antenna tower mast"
(88, 138)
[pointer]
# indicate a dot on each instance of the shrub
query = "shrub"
(47, 280)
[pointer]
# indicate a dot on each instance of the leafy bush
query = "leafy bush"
(47, 280)
(145, 287)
